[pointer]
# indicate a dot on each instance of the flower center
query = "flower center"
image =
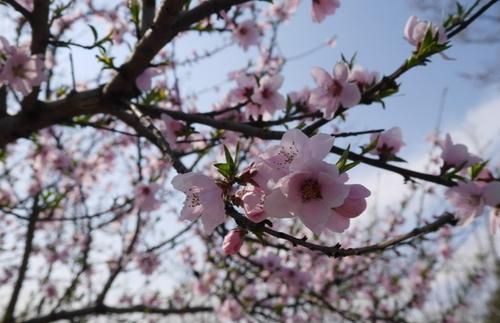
(336, 88)
(289, 153)
(248, 91)
(193, 199)
(18, 71)
(311, 190)
(243, 31)
(146, 190)
(266, 94)
(474, 200)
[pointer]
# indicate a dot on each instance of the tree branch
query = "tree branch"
(148, 14)
(337, 251)
(169, 23)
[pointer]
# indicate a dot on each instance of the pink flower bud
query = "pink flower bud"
(416, 29)
(233, 241)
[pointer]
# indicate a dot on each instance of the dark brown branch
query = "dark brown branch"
(276, 135)
(148, 14)
(169, 23)
(356, 133)
(22, 125)
(464, 24)
(337, 251)
(3, 101)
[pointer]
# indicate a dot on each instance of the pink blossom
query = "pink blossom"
(144, 82)
(145, 198)
(416, 29)
(203, 199)
(389, 143)
(334, 91)
(148, 262)
(467, 199)
(323, 8)
(233, 241)
(363, 77)
(230, 310)
(283, 10)
(353, 206)
(252, 198)
(246, 34)
(271, 262)
(301, 99)
(20, 70)
(246, 85)
(295, 280)
(267, 98)
(457, 155)
(50, 291)
(295, 148)
(310, 193)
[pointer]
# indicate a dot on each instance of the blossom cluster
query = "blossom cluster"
(289, 180)
(342, 89)
(470, 196)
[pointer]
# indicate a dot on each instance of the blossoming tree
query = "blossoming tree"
(92, 172)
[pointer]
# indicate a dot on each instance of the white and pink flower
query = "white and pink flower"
(353, 206)
(20, 70)
(144, 82)
(145, 197)
(457, 155)
(203, 200)
(295, 148)
(310, 193)
(323, 8)
(467, 199)
(334, 91)
(388, 143)
(267, 99)
(246, 34)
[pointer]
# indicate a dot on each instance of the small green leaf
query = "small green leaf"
(341, 163)
(224, 169)
(476, 169)
(135, 10)
(229, 158)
